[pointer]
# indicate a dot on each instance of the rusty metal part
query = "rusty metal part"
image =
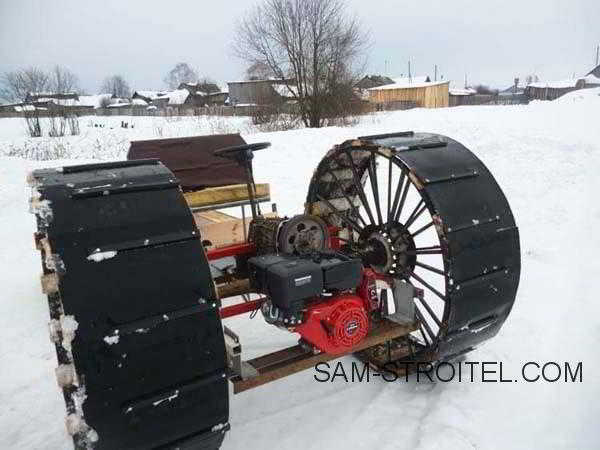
(303, 234)
(233, 288)
(263, 234)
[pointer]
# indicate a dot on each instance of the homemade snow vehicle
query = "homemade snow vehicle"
(406, 251)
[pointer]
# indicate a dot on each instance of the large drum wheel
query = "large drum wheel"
(133, 308)
(423, 208)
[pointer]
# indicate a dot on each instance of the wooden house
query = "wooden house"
(257, 92)
(371, 81)
(554, 89)
(418, 92)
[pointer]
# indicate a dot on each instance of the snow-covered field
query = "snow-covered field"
(545, 156)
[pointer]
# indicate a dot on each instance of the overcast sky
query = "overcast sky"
(492, 41)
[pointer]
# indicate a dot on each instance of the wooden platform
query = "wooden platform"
(282, 363)
(220, 229)
(224, 196)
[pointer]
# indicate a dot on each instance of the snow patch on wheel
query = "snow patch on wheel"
(101, 256)
(68, 326)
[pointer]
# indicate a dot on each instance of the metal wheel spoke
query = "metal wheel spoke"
(425, 324)
(432, 250)
(389, 191)
(399, 187)
(343, 217)
(431, 268)
(359, 189)
(431, 313)
(428, 286)
(402, 200)
(352, 205)
(424, 252)
(375, 187)
(420, 230)
(425, 339)
(416, 213)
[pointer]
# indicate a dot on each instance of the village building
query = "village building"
(202, 87)
(51, 103)
(259, 92)
(552, 90)
(595, 71)
(371, 81)
(411, 92)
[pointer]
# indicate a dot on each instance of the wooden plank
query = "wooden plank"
(286, 362)
(223, 194)
(233, 288)
(221, 233)
(222, 229)
(205, 217)
(49, 283)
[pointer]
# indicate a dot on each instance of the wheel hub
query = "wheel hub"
(388, 250)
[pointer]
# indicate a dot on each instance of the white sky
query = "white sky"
(492, 41)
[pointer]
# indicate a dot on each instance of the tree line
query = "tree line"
(17, 84)
(316, 48)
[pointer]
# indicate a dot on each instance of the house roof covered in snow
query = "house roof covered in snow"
(95, 101)
(462, 91)
(371, 81)
(560, 84)
(409, 82)
(589, 79)
(200, 87)
(178, 96)
(149, 94)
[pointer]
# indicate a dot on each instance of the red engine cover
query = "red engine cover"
(337, 325)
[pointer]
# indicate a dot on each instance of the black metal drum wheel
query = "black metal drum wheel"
(423, 208)
(134, 314)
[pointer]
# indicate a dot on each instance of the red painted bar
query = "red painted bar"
(334, 242)
(231, 250)
(240, 308)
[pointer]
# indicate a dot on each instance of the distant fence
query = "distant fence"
(250, 110)
(482, 99)
(246, 110)
(397, 105)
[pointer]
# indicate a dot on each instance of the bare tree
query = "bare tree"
(482, 89)
(208, 85)
(532, 78)
(181, 73)
(313, 45)
(63, 81)
(258, 71)
(15, 85)
(116, 86)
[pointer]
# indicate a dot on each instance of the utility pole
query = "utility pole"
(409, 73)
(465, 80)
(435, 71)
(597, 55)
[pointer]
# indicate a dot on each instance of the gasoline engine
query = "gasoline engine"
(327, 297)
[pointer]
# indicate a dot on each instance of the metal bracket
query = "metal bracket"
(404, 306)
(233, 348)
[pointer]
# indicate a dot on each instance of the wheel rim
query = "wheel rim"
(388, 219)
(435, 208)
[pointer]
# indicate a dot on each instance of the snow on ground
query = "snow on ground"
(546, 157)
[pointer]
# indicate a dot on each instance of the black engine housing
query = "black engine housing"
(290, 281)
